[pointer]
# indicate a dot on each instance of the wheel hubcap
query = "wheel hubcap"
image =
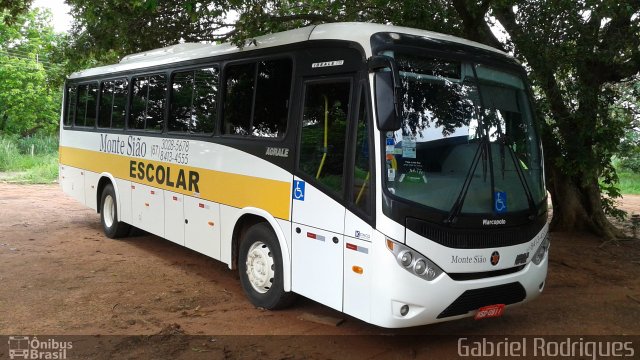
(108, 211)
(260, 267)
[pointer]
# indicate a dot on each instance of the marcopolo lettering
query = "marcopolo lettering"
(164, 175)
(486, 222)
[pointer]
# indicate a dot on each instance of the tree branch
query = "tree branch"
(474, 25)
(612, 46)
(542, 70)
(314, 18)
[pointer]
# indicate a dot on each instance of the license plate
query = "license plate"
(490, 311)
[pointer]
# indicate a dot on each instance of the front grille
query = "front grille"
(474, 239)
(484, 274)
(474, 299)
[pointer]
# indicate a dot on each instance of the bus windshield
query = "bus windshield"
(467, 144)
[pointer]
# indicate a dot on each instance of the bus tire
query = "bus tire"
(260, 268)
(109, 215)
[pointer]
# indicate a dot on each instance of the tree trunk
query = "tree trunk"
(577, 205)
(3, 121)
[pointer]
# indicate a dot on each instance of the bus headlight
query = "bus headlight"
(542, 250)
(406, 258)
(413, 261)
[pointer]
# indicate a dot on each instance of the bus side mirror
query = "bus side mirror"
(387, 92)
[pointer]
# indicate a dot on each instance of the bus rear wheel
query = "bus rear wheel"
(113, 228)
(260, 268)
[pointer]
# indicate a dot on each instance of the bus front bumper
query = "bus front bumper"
(444, 299)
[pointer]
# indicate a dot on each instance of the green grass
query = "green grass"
(629, 183)
(30, 160)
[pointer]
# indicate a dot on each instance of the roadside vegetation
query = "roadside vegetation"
(30, 160)
(628, 170)
(32, 68)
(629, 183)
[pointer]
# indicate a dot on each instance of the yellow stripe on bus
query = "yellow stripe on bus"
(226, 188)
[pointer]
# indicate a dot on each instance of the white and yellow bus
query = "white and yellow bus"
(390, 173)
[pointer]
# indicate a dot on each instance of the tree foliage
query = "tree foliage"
(628, 107)
(580, 56)
(108, 29)
(29, 77)
(12, 9)
(579, 53)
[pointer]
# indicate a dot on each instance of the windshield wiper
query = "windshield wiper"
(457, 206)
(523, 180)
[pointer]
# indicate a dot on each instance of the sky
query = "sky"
(61, 18)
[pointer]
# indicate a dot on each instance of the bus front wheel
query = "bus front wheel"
(109, 214)
(261, 271)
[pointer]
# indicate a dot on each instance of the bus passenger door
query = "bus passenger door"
(358, 229)
(318, 212)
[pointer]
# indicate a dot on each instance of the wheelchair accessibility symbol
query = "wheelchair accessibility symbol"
(500, 201)
(298, 190)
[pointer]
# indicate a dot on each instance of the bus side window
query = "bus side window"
(157, 99)
(273, 89)
(147, 103)
(86, 106)
(181, 97)
(138, 102)
(72, 97)
(205, 105)
(324, 129)
(361, 195)
(238, 99)
(106, 104)
(113, 99)
(119, 113)
(257, 98)
(193, 101)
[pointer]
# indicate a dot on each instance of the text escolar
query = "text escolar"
(163, 175)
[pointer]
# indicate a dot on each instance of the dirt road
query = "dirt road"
(60, 275)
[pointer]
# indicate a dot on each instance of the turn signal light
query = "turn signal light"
(390, 244)
(357, 269)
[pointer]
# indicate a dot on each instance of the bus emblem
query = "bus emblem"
(495, 258)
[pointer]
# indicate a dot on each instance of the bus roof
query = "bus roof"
(350, 31)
